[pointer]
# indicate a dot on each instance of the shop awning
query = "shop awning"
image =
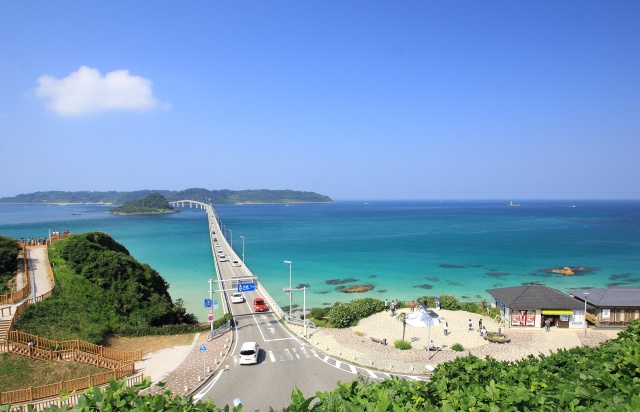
(557, 312)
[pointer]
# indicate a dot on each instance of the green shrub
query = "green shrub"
(449, 302)
(402, 344)
(319, 313)
(345, 315)
(457, 347)
(341, 316)
(9, 251)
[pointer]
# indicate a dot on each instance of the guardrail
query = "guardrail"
(298, 321)
(219, 331)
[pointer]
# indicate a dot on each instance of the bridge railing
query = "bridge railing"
(214, 226)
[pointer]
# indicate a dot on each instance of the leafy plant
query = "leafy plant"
(402, 344)
(345, 315)
(457, 347)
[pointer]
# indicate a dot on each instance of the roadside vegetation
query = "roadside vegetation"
(9, 251)
(578, 379)
(100, 290)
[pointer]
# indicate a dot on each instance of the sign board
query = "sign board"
(215, 304)
(203, 348)
(246, 287)
(207, 303)
(210, 318)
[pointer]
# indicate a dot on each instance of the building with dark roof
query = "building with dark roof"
(610, 307)
(532, 305)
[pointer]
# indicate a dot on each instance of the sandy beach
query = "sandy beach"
(354, 344)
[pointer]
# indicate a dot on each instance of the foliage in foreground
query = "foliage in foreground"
(100, 289)
(578, 379)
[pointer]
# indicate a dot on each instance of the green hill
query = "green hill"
(219, 197)
(148, 205)
(101, 289)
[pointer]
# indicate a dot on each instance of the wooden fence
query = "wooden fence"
(120, 363)
(44, 349)
(25, 397)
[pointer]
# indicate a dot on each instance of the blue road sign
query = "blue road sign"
(207, 303)
(215, 304)
(246, 287)
(203, 348)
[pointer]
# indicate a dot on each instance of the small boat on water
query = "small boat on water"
(513, 204)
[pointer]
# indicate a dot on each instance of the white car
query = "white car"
(223, 258)
(235, 263)
(237, 298)
(249, 353)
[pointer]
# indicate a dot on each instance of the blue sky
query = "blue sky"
(352, 99)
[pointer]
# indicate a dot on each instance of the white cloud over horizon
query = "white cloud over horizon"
(86, 91)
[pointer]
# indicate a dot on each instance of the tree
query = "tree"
(402, 317)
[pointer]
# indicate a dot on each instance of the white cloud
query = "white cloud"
(86, 91)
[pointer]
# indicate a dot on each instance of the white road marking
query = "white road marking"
(370, 372)
(288, 353)
(273, 358)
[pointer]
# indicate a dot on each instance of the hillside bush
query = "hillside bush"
(9, 251)
(101, 289)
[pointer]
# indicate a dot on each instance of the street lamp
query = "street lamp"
(585, 313)
(231, 233)
(288, 262)
(242, 248)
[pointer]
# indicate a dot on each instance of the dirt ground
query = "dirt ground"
(148, 343)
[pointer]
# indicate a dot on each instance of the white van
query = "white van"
(249, 353)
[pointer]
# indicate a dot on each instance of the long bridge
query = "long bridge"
(218, 241)
(284, 361)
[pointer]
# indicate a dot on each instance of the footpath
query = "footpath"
(42, 282)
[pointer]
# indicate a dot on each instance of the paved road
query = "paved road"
(284, 360)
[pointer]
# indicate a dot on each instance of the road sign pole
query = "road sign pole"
(211, 297)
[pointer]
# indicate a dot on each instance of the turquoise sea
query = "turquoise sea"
(404, 249)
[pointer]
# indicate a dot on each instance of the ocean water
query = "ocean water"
(402, 249)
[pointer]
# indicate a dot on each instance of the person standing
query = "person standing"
(470, 325)
(446, 328)
(413, 304)
(386, 305)
(547, 324)
(480, 324)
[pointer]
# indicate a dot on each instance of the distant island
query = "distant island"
(220, 197)
(152, 204)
